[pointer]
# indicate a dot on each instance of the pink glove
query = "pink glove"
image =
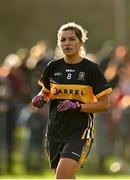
(67, 104)
(38, 101)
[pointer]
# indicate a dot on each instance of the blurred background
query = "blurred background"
(28, 41)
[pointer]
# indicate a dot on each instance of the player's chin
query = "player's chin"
(69, 54)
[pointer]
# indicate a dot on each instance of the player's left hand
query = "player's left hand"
(67, 104)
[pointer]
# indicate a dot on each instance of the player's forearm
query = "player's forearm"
(45, 94)
(95, 107)
(41, 93)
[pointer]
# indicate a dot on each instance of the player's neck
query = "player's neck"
(73, 59)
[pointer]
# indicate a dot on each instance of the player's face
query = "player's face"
(70, 44)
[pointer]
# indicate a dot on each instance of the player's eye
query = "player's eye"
(63, 40)
(72, 39)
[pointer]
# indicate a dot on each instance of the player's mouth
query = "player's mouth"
(67, 49)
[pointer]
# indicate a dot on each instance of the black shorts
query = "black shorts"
(76, 149)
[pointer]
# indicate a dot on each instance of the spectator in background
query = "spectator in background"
(34, 121)
(5, 95)
(34, 157)
(121, 108)
(112, 65)
(40, 54)
(19, 88)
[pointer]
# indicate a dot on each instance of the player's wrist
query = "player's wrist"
(78, 105)
(40, 93)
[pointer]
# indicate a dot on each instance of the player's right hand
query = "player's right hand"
(38, 101)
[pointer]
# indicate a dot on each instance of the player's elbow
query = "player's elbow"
(107, 106)
(105, 101)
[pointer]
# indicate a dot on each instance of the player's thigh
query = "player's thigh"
(67, 168)
(72, 158)
(77, 150)
(53, 152)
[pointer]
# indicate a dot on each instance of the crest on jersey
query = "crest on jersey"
(55, 91)
(81, 76)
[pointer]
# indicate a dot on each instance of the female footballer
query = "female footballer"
(76, 89)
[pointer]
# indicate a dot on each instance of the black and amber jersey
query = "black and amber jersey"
(83, 82)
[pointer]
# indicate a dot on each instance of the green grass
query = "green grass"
(49, 175)
(90, 170)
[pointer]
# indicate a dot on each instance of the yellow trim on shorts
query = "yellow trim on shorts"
(84, 133)
(85, 151)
